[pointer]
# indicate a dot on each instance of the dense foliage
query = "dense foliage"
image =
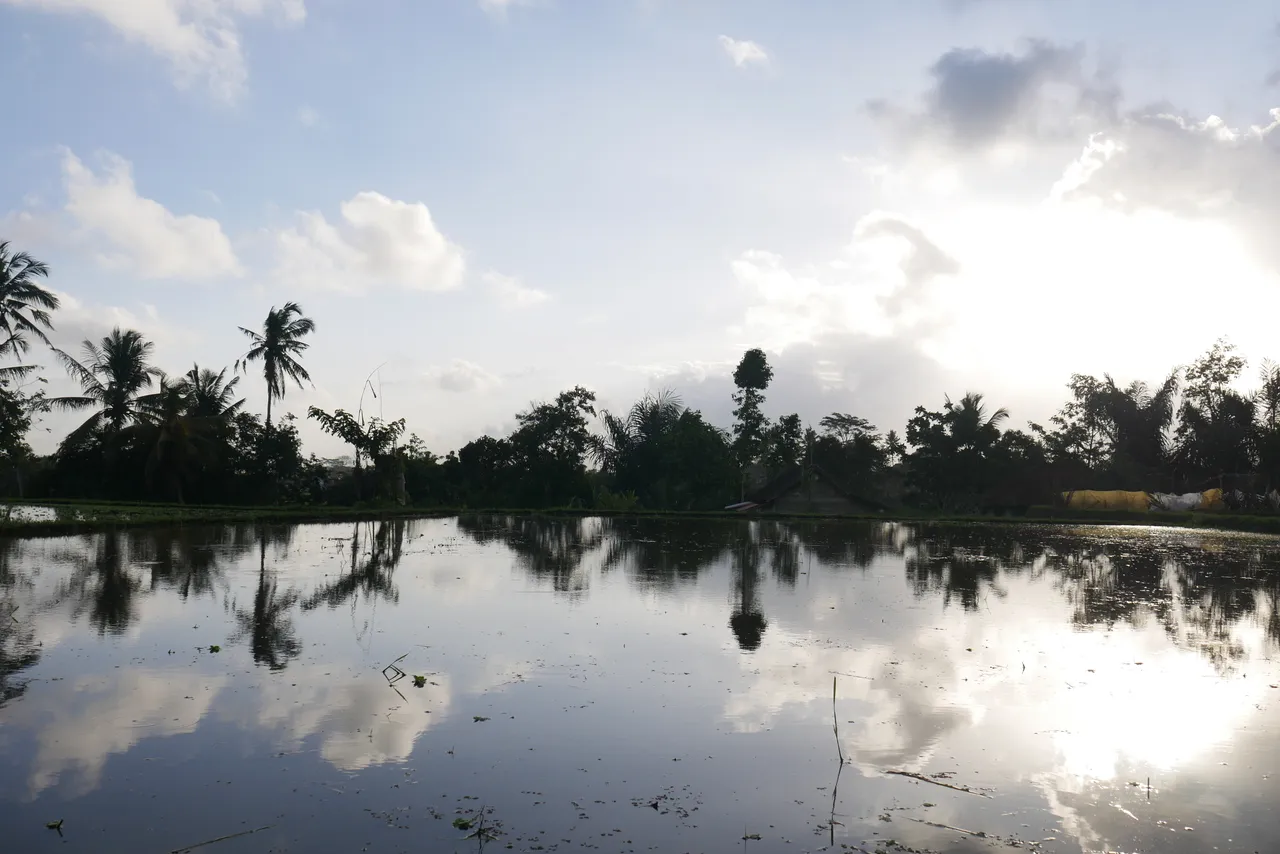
(148, 435)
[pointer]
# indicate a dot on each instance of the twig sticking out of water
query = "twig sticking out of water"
(835, 721)
(924, 779)
(835, 789)
(393, 673)
(221, 839)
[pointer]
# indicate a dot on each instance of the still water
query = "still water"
(640, 685)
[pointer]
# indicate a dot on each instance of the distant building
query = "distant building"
(806, 489)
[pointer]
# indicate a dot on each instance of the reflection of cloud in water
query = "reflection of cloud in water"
(78, 732)
(360, 722)
(898, 714)
(1165, 712)
(1084, 708)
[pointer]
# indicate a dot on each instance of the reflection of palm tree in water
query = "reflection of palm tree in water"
(747, 623)
(102, 583)
(271, 636)
(663, 553)
(18, 650)
(962, 567)
(371, 571)
(551, 549)
(186, 560)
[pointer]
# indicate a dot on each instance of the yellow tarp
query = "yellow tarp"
(1116, 499)
(1110, 499)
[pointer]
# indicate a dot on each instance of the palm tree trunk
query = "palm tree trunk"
(269, 396)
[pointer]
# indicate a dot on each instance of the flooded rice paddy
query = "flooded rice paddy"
(508, 683)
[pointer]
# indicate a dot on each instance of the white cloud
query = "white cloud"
(462, 376)
(512, 293)
(879, 285)
(78, 320)
(1194, 170)
(146, 237)
(308, 117)
(380, 241)
(744, 53)
(199, 38)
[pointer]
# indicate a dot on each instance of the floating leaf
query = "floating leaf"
(419, 681)
(479, 718)
(215, 648)
(462, 823)
(54, 825)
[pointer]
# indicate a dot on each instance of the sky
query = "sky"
(484, 202)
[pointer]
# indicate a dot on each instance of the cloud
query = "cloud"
(308, 117)
(146, 238)
(878, 286)
(1160, 160)
(744, 53)
(921, 263)
(462, 377)
(199, 38)
(512, 293)
(980, 99)
(380, 241)
(880, 378)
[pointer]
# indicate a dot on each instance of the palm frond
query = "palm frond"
(79, 372)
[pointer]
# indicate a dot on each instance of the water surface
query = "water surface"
(640, 685)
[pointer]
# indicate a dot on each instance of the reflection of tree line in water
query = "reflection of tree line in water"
(1206, 587)
(1198, 594)
(104, 583)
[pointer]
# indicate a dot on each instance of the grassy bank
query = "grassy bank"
(78, 517)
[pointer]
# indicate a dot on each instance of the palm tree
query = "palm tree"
(183, 424)
(278, 347)
(970, 424)
(1140, 419)
(1269, 395)
(112, 376)
(177, 443)
(210, 395)
(24, 305)
(650, 418)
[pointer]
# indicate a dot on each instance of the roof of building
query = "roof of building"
(793, 476)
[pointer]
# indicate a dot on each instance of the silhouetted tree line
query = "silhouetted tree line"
(184, 437)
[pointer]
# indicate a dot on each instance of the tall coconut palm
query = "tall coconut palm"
(113, 375)
(24, 304)
(278, 346)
